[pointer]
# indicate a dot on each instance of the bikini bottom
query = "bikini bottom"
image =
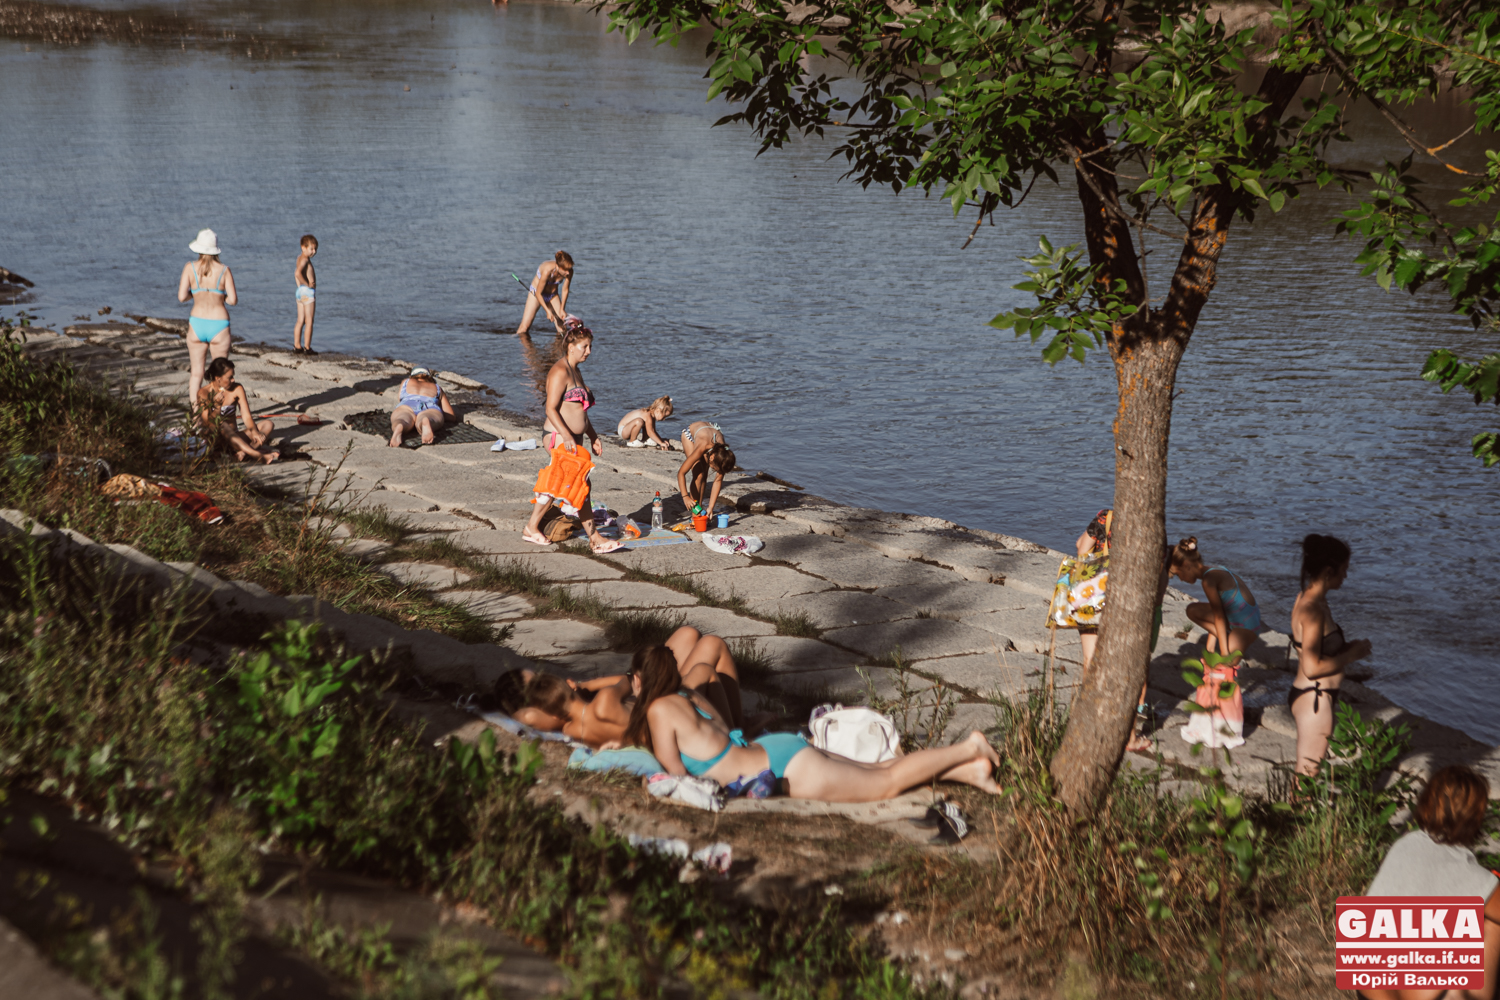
(207, 329)
(780, 748)
(1317, 691)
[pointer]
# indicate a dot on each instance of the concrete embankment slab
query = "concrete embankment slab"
(843, 567)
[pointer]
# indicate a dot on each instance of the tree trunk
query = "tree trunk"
(1146, 350)
(1100, 719)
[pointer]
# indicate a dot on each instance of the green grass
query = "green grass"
(753, 663)
(635, 630)
(197, 767)
(796, 623)
(285, 547)
(376, 522)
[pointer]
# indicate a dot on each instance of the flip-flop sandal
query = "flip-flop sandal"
(950, 823)
(610, 545)
(541, 540)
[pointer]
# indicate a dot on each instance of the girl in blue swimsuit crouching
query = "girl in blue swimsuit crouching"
(211, 287)
(689, 738)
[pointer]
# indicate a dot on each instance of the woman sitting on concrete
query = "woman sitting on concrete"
(1436, 860)
(1322, 650)
(1232, 620)
(639, 425)
(690, 737)
(424, 407)
(706, 449)
(221, 406)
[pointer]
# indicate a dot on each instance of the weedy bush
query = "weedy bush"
(632, 630)
(291, 746)
(47, 408)
(797, 623)
(921, 708)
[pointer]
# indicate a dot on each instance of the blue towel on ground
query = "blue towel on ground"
(635, 760)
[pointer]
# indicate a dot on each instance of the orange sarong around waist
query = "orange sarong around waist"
(566, 477)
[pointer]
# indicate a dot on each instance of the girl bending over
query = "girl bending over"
(1232, 620)
(706, 449)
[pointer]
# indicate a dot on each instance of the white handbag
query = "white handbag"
(861, 734)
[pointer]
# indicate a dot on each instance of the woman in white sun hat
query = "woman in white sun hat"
(212, 289)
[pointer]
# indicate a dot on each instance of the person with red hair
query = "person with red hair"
(1436, 860)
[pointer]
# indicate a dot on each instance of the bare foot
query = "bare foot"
(271, 456)
(1139, 743)
(427, 437)
(396, 438)
(983, 746)
(978, 772)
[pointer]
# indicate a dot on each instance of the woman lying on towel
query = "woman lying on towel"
(689, 738)
(597, 711)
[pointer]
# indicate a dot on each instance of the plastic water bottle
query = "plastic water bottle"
(656, 512)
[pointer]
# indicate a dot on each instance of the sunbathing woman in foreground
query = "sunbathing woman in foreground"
(597, 711)
(689, 738)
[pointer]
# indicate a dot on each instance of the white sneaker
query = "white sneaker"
(635, 443)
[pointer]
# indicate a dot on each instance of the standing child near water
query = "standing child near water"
(307, 281)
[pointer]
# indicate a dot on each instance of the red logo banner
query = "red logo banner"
(1410, 942)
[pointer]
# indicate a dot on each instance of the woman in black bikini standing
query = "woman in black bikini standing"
(1322, 651)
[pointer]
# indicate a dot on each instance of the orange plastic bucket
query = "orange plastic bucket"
(700, 522)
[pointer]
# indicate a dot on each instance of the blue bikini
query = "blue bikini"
(207, 329)
(417, 402)
(780, 748)
(1239, 612)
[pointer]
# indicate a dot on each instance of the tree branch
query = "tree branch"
(1405, 130)
(1108, 203)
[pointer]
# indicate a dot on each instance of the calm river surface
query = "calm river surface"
(837, 334)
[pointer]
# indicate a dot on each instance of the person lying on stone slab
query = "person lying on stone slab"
(424, 407)
(586, 711)
(689, 737)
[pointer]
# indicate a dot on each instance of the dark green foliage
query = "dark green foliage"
(297, 747)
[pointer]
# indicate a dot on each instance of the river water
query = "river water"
(837, 334)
